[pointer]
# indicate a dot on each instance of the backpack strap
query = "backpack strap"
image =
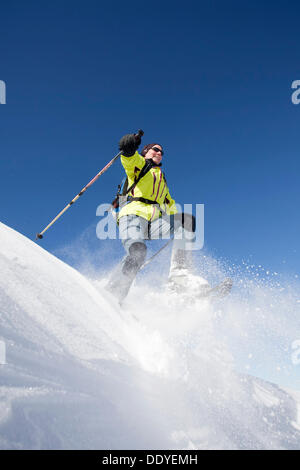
(125, 190)
(146, 168)
(146, 201)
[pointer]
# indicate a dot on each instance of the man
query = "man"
(149, 212)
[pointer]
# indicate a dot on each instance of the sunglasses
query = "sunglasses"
(156, 149)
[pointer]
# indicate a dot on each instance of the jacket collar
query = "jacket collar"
(152, 163)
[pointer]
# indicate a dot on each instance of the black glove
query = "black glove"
(129, 144)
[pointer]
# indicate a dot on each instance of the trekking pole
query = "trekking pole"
(140, 133)
(155, 254)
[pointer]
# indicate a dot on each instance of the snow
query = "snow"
(81, 373)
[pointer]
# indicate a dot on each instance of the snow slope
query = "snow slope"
(82, 374)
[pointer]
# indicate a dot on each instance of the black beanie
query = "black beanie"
(148, 147)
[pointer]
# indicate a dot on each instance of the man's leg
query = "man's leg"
(133, 232)
(182, 227)
(181, 274)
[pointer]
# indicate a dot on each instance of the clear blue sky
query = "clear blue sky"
(210, 80)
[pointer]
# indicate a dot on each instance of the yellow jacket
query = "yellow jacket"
(152, 186)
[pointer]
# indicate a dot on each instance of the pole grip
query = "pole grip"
(139, 133)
